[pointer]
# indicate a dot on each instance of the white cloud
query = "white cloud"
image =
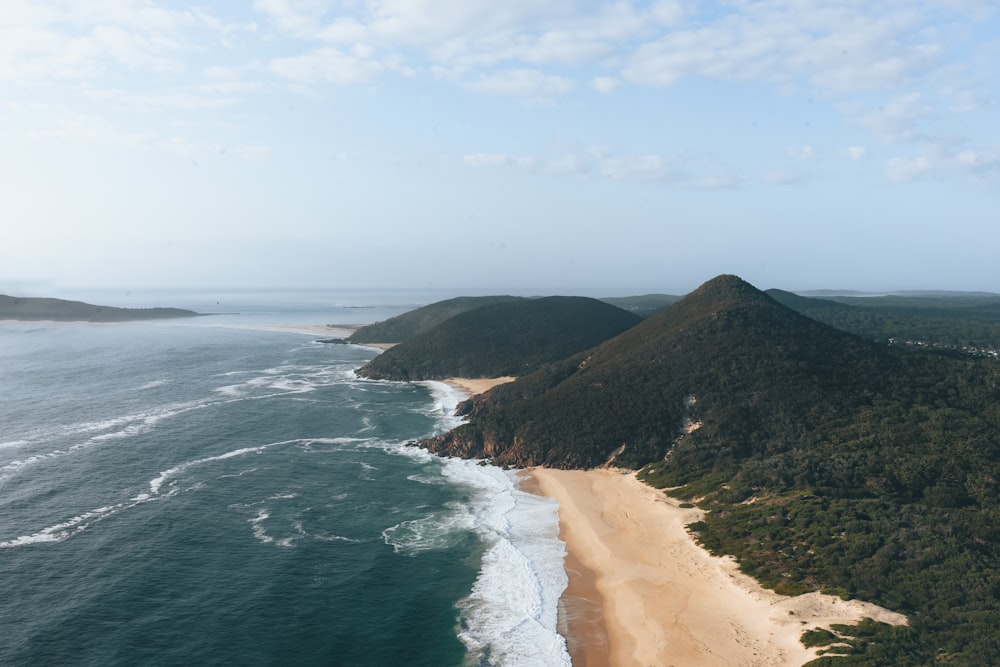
(841, 47)
(782, 177)
(498, 160)
(327, 65)
(85, 40)
(212, 96)
(638, 168)
(803, 153)
(856, 153)
(973, 159)
(296, 18)
(899, 118)
(983, 166)
(605, 84)
(714, 182)
(901, 170)
(523, 82)
(667, 12)
(600, 164)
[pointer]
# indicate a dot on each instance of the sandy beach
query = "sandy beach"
(665, 600)
(473, 386)
(327, 330)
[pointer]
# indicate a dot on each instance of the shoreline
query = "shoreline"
(664, 599)
(330, 331)
(581, 608)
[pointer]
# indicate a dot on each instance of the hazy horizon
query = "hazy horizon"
(360, 296)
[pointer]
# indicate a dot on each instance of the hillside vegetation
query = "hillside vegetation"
(827, 461)
(60, 310)
(406, 326)
(498, 339)
(968, 324)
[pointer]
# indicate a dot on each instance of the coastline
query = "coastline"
(665, 600)
(329, 330)
(581, 609)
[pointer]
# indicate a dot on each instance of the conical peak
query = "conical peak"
(727, 290)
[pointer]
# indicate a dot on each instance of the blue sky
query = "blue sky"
(562, 146)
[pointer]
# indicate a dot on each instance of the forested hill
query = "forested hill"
(60, 310)
(966, 324)
(723, 341)
(825, 460)
(498, 339)
(406, 326)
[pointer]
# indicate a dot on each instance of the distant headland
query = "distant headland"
(60, 310)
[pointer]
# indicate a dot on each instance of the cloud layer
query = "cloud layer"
(908, 77)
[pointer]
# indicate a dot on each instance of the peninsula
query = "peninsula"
(60, 310)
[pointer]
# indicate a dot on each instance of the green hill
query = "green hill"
(825, 460)
(60, 310)
(406, 326)
(969, 324)
(498, 339)
(633, 390)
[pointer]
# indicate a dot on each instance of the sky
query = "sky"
(567, 145)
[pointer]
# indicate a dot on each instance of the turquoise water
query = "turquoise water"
(188, 493)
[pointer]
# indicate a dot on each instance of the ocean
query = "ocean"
(209, 492)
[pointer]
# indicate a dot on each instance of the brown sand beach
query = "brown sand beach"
(473, 386)
(665, 600)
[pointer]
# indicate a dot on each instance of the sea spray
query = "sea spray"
(510, 617)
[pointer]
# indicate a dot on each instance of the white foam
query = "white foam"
(446, 400)
(13, 444)
(437, 531)
(77, 524)
(512, 612)
(153, 384)
(70, 527)
(336, 538)
(258, 529)
(510, 617)
(264, 513)
(157, 482)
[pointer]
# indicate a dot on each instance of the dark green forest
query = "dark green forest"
(826, 461)
(409, 324)
(965, 324)
(504, 338)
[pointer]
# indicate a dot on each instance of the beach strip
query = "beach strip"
(473, 386)
(667, 601)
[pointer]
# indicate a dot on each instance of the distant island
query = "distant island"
(61, 310)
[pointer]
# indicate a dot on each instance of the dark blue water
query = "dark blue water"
(190, 494)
